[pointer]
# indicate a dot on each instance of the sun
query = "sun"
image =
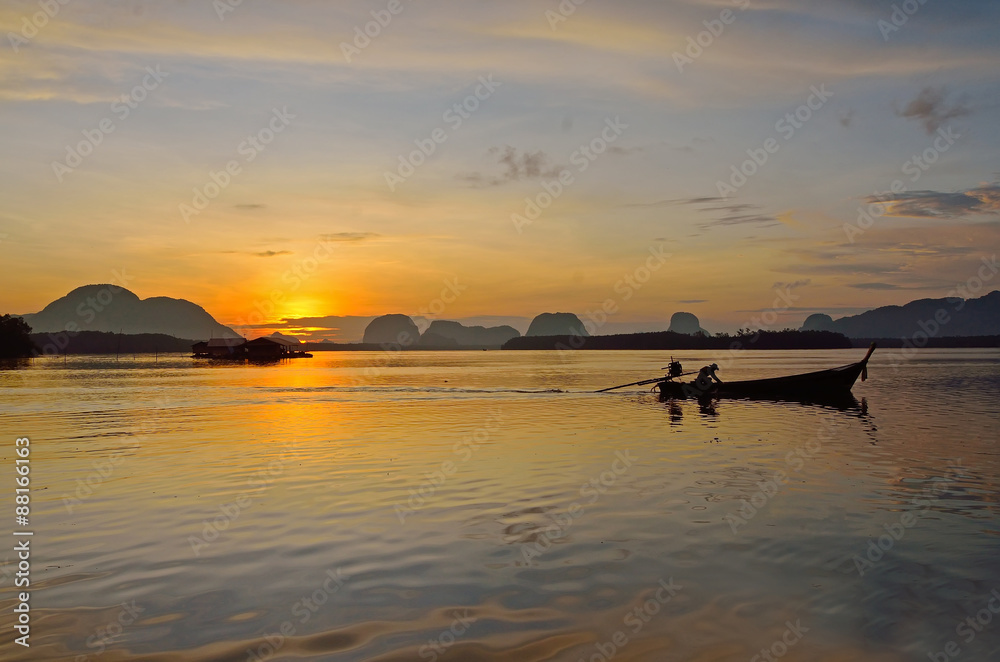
(306, 307)
(299, 308)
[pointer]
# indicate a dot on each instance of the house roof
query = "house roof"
(226, 342)
(287, 342)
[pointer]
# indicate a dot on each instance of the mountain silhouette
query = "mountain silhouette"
(667, 340)
(557, 324)
(115, 309)
(446, 333)
(934, 317)
(394, 329)
(817, 322)
(687, 324)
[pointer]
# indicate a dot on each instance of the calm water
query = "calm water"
(487, 506)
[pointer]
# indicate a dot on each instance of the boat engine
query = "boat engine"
(674, 369)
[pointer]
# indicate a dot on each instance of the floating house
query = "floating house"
(268, 348)
(219, 348)
(273, 347)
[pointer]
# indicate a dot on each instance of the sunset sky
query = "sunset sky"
(616, 99)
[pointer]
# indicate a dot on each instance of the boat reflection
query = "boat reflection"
(710, 405)
(676, 411)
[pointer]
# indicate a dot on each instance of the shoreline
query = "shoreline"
(957, 342)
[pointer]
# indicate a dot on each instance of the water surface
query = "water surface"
(489, 506)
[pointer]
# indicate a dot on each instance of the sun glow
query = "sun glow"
(304, 308)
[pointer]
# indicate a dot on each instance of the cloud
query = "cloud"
(694, 145)
(518, 167)
(820, 263)
(726, 214)
(693, 301)
(739, 214)
(658, 203)
(324, 322)
(251, 206)
(877, 286)
(982, 199)
(623, 151)
(731, 214)
(764, 220)
(258, 253)
(349, 236)
(677, 201)
(699, 201)
(925, 256)
(734, 208)
(346, 328)
(931, 108)
(795, 283)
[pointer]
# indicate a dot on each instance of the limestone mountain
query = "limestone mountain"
(114, 309)
(817, 322)
(687, 324)
(467, 336)
(557, 324)
(394, 329)
(935, 317)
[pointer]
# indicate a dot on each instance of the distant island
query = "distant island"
(786, 339)
(114, 309)
(687, 324)
(397, 331)
(109, 319)
(443, 333)
(557, 324)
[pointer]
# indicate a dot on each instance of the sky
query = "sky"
(295, 165)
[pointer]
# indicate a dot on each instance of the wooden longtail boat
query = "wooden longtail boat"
(832, 382)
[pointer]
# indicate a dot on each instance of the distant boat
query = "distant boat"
(831, 382)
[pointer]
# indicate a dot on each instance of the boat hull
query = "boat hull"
(832, 382)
